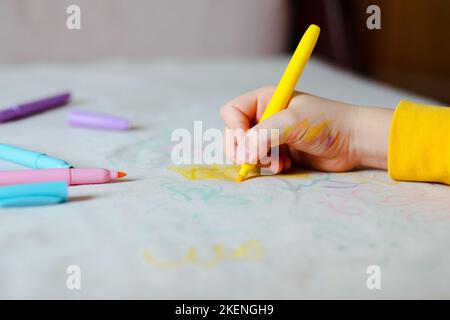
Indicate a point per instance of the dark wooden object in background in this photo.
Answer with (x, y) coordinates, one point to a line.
(411, 51)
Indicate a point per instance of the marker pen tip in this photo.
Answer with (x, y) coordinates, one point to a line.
(121, 174)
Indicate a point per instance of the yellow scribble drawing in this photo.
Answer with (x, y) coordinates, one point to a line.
(315, 131)
(229, 172)
(216, 171)
(250, 250)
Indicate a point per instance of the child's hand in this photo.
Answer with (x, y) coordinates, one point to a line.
(313, 132)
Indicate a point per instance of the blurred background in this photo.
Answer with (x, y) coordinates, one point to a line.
(410, 51)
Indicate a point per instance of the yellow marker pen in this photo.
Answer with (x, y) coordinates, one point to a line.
(286, 87)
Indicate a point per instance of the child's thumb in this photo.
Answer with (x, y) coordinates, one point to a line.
(267, 134)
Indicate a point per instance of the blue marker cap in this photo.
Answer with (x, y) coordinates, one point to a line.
(31, 159)
(34, 194)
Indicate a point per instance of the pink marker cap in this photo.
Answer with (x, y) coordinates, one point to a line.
(97, 120)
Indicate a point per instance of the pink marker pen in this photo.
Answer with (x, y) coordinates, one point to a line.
(70, 176)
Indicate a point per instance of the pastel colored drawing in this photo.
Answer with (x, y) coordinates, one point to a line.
(250, 250)
(203, 172)
(207, 194)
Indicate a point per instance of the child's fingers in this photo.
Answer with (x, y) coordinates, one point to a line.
(287, 163)
(230, 146)
(234, 118)
(272, 132)
(277, 165)
(242, 111)
(232, 138)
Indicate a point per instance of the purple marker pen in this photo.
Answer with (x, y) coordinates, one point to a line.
(97, 120)
(30, 108)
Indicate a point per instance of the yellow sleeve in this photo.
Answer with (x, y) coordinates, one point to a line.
(419, 143)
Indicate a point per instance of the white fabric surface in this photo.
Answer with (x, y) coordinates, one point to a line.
(315, 236)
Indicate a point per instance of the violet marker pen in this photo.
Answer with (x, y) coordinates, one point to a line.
(94, 120)
(27, 109)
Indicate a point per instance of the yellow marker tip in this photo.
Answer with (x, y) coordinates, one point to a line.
(240, 178)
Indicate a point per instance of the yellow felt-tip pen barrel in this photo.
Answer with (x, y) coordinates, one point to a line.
(286, 87)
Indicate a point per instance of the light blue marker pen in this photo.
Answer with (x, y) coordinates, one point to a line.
(33, 194)
(30, 158)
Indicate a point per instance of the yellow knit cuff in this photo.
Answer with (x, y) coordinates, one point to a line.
(419, 143)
